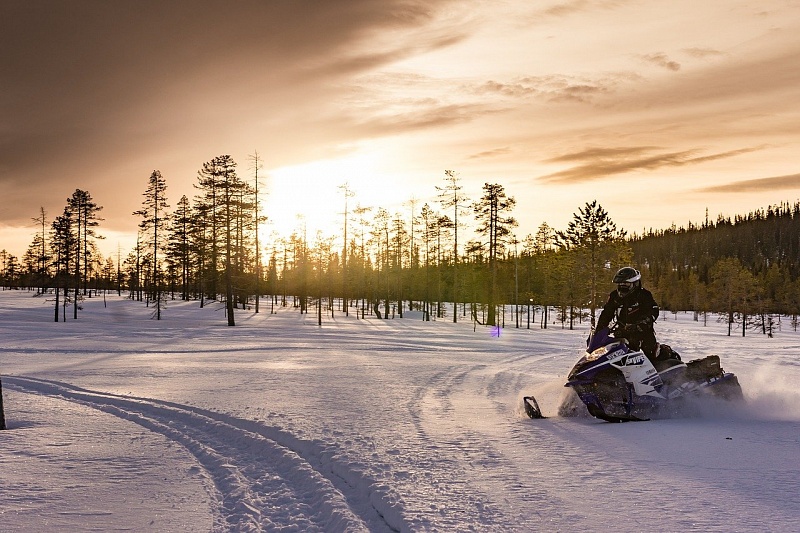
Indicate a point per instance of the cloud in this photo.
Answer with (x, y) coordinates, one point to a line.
(421, 117)
(556, 87)
(518, 89)
(761, 81)
(597, 154)
(776, 183)
(597, 163)
(366, 60)
(725, 155)
(97, 92)
(392, 103)
(702, 53)
(571, 7)
(661, 60)
(491, 153)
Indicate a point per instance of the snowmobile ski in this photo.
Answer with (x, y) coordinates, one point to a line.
(532, 407)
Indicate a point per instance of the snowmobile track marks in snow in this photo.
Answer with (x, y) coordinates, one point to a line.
(257, 471)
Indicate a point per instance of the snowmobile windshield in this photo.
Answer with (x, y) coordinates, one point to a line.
(600, 338)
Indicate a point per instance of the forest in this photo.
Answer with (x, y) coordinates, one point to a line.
(459, 260)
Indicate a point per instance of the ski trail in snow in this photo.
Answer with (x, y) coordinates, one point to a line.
(261, 475)
(451, 419)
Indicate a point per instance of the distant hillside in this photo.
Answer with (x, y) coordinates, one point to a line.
(760, 251)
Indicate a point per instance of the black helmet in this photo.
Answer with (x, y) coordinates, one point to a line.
(627, 279)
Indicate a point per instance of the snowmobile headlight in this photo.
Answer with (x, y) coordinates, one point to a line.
(597, 354)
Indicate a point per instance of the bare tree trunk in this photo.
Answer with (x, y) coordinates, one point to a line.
(57, 294)
(2, 412)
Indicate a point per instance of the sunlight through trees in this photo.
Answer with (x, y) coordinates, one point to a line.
(745, 270)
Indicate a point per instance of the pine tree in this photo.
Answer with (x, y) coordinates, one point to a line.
(63, 239)
(380, 235)
(208, 206)
(428, 220)
(398, 245)
(450, 197)
(543, 251)
(595, 238)
(40, 248)
(180, 243)
(153, 225)
(495, 227)
(223, 193)
(84, 212)
(257, 165)
(347, 193)
(729, 286)
(230, 186)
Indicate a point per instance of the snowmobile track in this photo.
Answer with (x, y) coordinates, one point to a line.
(257, 471)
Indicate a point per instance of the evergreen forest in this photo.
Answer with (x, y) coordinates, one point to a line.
(459, 259)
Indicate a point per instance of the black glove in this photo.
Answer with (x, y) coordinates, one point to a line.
(644, 325)
(625, 330)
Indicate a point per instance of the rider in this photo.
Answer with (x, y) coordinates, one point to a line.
(634, 310)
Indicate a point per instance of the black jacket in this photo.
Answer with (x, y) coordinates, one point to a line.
(634, 315)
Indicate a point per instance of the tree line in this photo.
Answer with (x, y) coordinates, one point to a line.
(745, 270)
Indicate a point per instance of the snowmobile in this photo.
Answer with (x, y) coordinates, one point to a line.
(618, 384)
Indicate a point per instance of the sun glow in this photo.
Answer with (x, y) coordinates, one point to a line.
(309, 199)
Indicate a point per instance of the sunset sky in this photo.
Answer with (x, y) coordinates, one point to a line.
(658, 110)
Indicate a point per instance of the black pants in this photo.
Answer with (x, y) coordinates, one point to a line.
(645, 342)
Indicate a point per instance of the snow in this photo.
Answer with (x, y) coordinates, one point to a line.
(120, 422)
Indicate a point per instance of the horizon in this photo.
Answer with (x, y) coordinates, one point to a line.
(108, 248)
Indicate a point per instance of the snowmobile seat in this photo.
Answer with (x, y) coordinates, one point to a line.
(706, 368)
(671, 370)
(666, 365)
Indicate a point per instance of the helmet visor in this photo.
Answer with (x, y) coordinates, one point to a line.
(625, 287)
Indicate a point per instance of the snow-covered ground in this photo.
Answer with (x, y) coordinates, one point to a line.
(119, 422)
